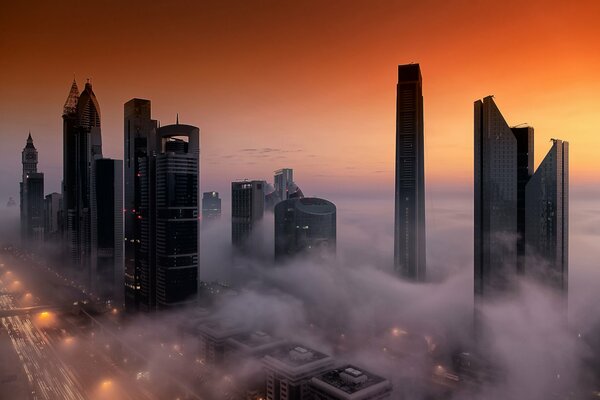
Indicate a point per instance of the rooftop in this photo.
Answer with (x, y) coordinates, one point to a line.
(350, 379)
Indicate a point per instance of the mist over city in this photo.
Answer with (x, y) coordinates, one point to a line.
(316, 201)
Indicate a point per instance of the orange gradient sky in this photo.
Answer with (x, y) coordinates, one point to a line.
(303, 84)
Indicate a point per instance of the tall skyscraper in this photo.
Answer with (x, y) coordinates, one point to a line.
(496, 183)
(82, 143)
(282, 179)
(139, 140)
(547, 219)
(168, 212)
(52, 216)
(304, 225)
(521, 216)
(107, 274)
(34, 194)
(350, 383)
(247, 208)
(211, 206)
(409, 223)
(29, 160)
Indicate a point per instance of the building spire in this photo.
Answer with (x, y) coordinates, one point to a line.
(71, 103)
(29, 139)
(177, 120)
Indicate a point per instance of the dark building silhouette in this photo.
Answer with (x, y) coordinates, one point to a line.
(247, 208)
(409, 224)
(304, 225)
(82, 144)
(168, 212)
(282, 180)
(52, 216)
(547, 219)
(350, 383)
(107, 231)
(31, 225)
(521, 217)
(211, 206)
(495, 199)
(139, 140)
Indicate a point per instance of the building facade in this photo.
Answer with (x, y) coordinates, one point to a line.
(34, 199)
(247, 208)
(29, 201)
(409, 223)
(282, 180)
(52, 216)
(305, 225)
(211, 206)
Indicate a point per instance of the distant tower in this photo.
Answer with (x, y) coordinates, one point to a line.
(496, 200)
(282, 180)
(52, 216)
(29, 160)
(247, 208)
(409, 224)
(211, 206)
(82, 144)
(547, 218)
(304, 225)
(139, 141)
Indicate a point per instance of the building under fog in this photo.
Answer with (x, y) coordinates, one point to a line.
(289, 369)
(52, 216)
(139, 140)
(519, 214)
(304, 225)
(107, 271)
(409, 223)
(547, 217)
(211, 206)
(349, 383)
(247, 208)
(32, 196)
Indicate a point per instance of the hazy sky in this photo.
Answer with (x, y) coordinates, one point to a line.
(308, 85)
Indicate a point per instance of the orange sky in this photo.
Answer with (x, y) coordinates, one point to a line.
(308, 84)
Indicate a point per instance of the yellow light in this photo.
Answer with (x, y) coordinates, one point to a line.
(106, 384)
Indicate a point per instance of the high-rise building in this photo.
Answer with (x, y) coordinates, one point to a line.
(350, 383)
(247, 208)
(289, 369)
(409, 223)
(34, 199)
(82, 144)
(519, 214)
(282, 179)
(29, 160)
(168, 211)
(304, 225)
(107, 271)
(52, 216)
(547, 218)
(211, 206)
(139, 140)
(496, 197)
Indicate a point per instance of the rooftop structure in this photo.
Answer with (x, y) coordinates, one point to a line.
(350, 383)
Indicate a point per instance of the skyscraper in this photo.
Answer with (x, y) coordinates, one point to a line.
(409, 223)
(107, 274)
(547, 218)
(52, 216)
(211, 206)
(247, 208)
(139, 139)
(82, 143)
(29, 160)
(282, 179)
(304, 225)
(496, 183)
(524, 136)
(34, 194)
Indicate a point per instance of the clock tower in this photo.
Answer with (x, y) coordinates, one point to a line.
(29, 158)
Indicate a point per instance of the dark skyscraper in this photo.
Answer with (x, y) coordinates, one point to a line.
(496, 177)
(409, 224)
(304, 225)
(34, 194)
(547, 218)
(521, 217)
(247, 208)
(139, 137)
(82, 143)
(211, 206)
(107, 230)
(52, 216)
(29, 160)
(168, 212)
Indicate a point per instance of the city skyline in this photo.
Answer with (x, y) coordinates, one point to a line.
(224, 112)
